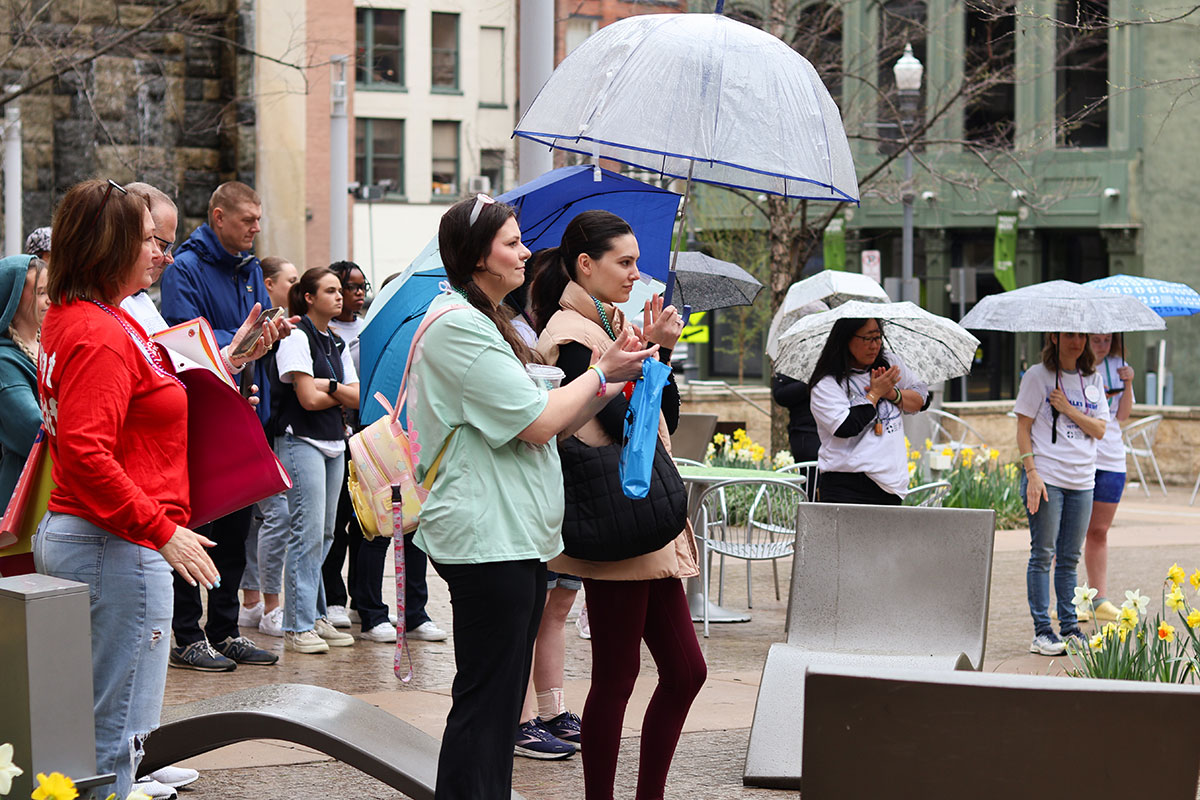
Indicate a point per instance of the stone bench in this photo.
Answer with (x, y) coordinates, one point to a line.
(872, 587)
(344, 727)
(871, 732)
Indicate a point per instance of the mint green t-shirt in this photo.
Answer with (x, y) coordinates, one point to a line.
(495, 497)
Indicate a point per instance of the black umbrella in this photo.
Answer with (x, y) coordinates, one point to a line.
(705, 283)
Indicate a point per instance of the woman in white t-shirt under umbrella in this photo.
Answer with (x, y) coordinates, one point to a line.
(1061, 415)
(1110, 465)
(859, 391)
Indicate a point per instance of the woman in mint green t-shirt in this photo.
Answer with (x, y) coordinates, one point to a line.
(494, 513)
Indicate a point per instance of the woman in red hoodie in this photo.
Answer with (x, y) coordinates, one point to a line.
(116, 424)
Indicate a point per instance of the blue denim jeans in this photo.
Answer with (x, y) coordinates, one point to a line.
(266, 545)
(312, 505)
(131, 600)
(1056, 532)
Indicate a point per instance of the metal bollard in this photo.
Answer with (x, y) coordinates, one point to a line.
(46, 679)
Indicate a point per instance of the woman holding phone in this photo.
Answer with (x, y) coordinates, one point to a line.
(316, 381)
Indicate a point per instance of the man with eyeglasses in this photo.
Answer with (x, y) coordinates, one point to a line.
(217, 276)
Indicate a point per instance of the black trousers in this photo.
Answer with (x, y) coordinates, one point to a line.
(497, 610)
(229, 557)
(367, 561)
(853, 487)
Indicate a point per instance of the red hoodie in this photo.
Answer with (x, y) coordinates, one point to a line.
(116, 427)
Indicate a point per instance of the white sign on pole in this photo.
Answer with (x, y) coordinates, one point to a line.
(871, 264)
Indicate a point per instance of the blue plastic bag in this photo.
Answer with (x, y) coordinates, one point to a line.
(641, 429)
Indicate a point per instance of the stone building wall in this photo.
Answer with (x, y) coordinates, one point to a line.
(172, 106)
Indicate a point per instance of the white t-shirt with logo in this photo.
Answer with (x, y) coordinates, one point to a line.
(1110, 451)
(883, 458)
(1068, 462)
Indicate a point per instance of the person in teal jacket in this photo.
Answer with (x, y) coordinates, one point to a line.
(23, 303)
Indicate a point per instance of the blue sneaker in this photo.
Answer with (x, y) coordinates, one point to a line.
(534, 741)
(566, 727)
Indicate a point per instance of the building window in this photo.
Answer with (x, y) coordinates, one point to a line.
(578, 29)
(380, 61)
(990, 69)
(491, 166)
(901, 22)
(445, 160)
(445, 52)
(1081, 77)
(379, 154)
(818, 37)
(491, 66)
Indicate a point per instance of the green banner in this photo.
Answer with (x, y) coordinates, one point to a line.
(835, 243)
(1006, 249)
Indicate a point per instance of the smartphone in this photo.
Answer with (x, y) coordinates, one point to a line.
(269, 315)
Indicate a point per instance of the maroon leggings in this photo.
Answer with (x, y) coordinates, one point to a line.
(621, 615)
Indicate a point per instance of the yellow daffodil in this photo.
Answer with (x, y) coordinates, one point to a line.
(1166, 632)
(1193, 619)
(1175, 600)
(56, 786)
(1136, 600)
(907, 444)
(1122, 632)
(946, 451)
(1128, 618)
(914, 455)
(1195, 580)
(968, 452)
(1096, 642)
(1109, 628)
(912, 467)
(1083, 597)
(719, 439)
(993, 454)
(1176, 575)
(928, 443)
(8, 770)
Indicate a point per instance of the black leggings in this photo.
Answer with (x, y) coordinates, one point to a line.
(853, 487)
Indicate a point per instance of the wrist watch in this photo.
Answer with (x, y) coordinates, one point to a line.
(332, 386)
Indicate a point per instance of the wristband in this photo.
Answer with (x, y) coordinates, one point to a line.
(332, 386)
(1024, 456)
(899, 397)
(603, 381)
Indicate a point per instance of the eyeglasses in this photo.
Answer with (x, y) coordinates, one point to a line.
(873, 339)
(107, 191)
(481, 200)
(363, 287)
(167, 247)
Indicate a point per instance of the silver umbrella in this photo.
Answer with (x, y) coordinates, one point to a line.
(830, 287)
(705, 283)
(1061, 306)
(933, 347)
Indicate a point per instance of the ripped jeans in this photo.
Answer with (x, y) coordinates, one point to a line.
(131, 602)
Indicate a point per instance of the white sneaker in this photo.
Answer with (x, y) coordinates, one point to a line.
(304, 642)
(383, 632)
(154, 789)
(250, 616)
(337, 616)
(272, 622)
(355, 619)
(428, 631)
(582, 625)
(174, 776)
(1047, 644)
(332, 636)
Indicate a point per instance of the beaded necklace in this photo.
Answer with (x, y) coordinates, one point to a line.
(148, 349)
(604, 320)
(461, 292)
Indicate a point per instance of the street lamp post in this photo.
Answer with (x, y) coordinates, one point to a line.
(908, 71)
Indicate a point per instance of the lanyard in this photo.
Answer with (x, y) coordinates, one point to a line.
(149, 351)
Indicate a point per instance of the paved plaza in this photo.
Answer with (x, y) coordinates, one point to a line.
(1149, 534)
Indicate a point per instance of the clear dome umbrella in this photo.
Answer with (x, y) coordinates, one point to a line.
(699, 97)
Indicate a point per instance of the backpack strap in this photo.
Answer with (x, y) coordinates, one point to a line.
(412, 349)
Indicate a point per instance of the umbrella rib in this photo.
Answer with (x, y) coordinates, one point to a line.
(944, 346)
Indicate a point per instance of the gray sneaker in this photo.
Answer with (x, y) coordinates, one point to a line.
(244, 651)
(1047, 644)
(202, 657)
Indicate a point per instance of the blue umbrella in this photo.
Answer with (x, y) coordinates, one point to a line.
(1164, 298)
(544, 207)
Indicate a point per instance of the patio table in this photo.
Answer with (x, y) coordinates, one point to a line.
(696, 479)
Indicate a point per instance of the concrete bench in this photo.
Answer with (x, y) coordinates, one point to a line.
(871, 733)
(346, 728)
(875, 587)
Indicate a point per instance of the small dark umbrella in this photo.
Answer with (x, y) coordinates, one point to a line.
(705, 283)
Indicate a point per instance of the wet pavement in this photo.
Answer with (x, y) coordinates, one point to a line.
(1147, 537)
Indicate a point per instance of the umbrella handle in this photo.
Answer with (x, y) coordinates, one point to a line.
(687, 315)
(670, 287)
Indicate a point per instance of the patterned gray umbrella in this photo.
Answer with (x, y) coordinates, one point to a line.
(933, 347)
(705, 283)
(1061, 306)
